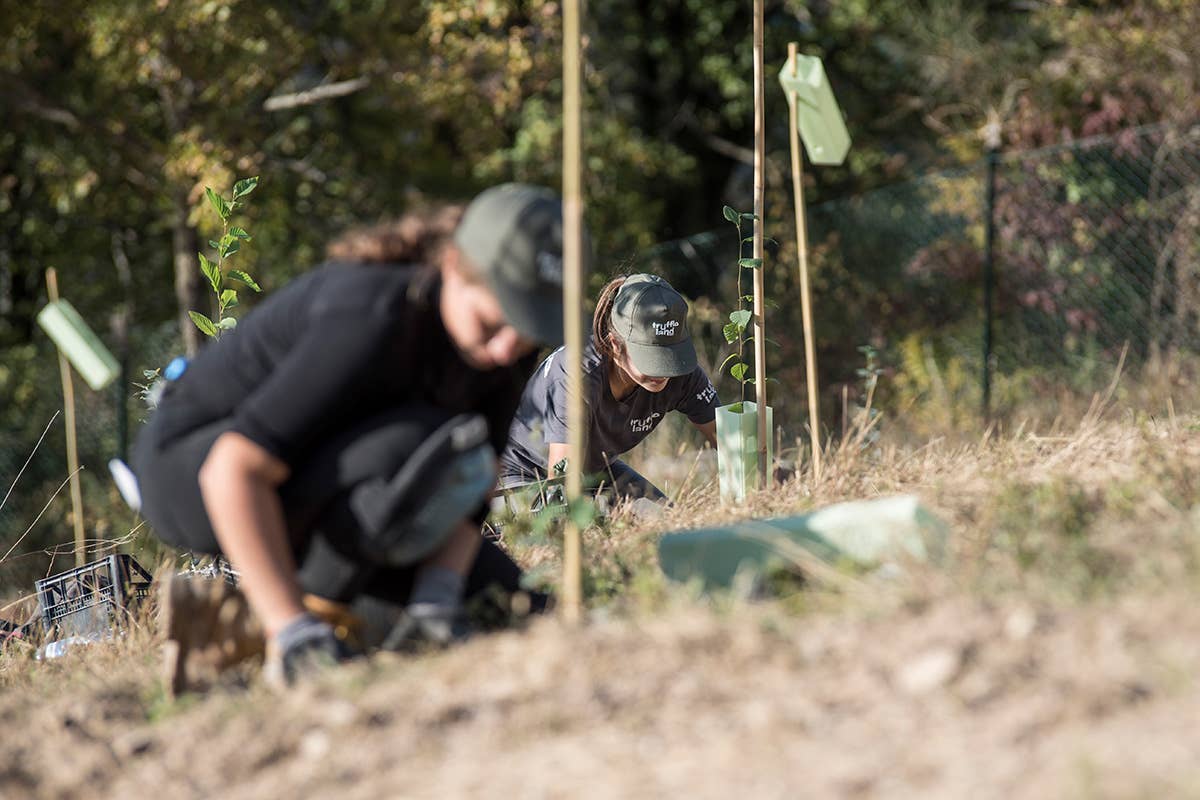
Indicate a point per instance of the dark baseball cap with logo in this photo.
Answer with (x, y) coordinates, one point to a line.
(512, 235)
(651, 318)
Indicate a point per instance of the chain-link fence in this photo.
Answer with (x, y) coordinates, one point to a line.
(1092, 256)
(1096, 247)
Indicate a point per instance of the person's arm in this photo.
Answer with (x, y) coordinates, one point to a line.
(699, 402)
(238, 483)
(556, 452)
(555, 422)
(709, 429)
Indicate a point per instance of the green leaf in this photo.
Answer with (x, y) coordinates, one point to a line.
(230, 247)
(238, 275)
(218, 203)
(738, 371)
(227, 323)
(731, 332)
(229, 298)
(728, 358)
(730, 214)
(239, 233)
(741, 318)
(214, 245)
(583, 512)
(202, 322)
(244, 187)
(211, 271)
(750, 263)
(749, 216)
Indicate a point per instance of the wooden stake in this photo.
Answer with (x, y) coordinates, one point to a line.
(573, 280)
(64, 369)
(760, 336)
(810, 356)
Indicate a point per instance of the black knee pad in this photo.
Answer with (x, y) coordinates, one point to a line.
(405, 518)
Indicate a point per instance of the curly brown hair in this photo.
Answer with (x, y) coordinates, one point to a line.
(417, 237)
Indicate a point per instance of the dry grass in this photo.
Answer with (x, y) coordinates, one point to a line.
(1052, 655)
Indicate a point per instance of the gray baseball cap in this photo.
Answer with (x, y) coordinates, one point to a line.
(512, 234)
(651, 318)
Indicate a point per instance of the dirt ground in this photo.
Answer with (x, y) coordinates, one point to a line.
(953, 700)
(923, 685)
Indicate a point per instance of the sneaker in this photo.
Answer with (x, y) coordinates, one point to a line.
(208, 627)
(426, 626)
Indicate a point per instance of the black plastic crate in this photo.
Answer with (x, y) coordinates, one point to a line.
(87, 600)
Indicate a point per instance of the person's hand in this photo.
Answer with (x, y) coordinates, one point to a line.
(302, 647)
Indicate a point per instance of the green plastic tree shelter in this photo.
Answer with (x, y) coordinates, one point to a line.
(863, 533)
(737, 448)
(75, 340)
(820, 119)
(813, 113)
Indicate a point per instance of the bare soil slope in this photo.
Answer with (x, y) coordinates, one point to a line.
(1055, 657)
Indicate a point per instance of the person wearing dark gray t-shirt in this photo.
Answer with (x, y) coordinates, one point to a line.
(639, 365)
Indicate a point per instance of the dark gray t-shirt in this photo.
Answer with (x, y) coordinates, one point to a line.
(614, 426)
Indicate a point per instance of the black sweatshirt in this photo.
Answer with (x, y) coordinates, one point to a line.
(332, 348)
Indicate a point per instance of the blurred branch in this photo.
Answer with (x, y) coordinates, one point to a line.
(28, 100)
(717, 144)
(320, 94)
(307, 170)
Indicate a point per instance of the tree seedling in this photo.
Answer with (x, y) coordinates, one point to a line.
(216, 272)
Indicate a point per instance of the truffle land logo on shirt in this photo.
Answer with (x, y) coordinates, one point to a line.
(643, 425)
(707, 395)
(665, 328)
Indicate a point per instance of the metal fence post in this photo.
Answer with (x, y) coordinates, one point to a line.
(988, 280)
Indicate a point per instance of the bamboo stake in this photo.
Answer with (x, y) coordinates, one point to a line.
(64, 369)
(810, 357)
(573, 279)
(760, 336)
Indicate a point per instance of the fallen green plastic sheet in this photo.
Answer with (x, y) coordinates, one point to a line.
(864, 532)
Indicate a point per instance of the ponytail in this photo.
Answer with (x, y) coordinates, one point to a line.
(603, 336)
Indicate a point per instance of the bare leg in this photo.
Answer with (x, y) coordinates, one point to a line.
(459, 551)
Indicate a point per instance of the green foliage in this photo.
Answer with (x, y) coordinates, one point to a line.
(217, 271)
(734, 331)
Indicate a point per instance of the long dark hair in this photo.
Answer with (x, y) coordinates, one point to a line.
(417, 237)
(606, 339)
